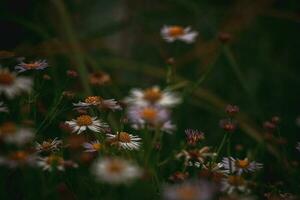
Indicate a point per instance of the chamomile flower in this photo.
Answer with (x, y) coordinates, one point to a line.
(12, 85)
(125, 140)
(84, 122)
(18, 158)
(3, 108)
(92, 146)
(152, 96)
(172, 33)
(195, 157)
(98, 102)
(189, 190)
(151, 116)
(12, 134)
(115, 170)
(55, 162)
(233, 183)
(48, 145)
(232, 165)
(35, 65)
(298, 146)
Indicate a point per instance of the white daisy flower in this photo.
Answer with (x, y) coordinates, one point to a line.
(115, 170)
(84, 122)
(92, 146)
(12, 85)
(13, 135)
(172, 33)
(195, 157)
(55, 162)
(190, 190)
(3, 108)
(152, 96)
(232, 183)
(232, 165)
(151, 116)
(50, 145)
(98, 102)
(35, 65)
(18, 158)
(125, 140)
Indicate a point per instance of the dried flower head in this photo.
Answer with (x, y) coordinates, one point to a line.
(99, 78)
(172, 33)
(193, 136)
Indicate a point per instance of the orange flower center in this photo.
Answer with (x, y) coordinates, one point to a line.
(19, 155)
(115, 167)
(54, 160)
(84, 120)
(8, 128)
(31, 65)
(152, 95)
(93, 99)
(176, 31)
(187, 193)
(242, 163)
(96, 146)
(235, 180)
(124, 137)
(46, 145)
(6, 78)
(149, 114)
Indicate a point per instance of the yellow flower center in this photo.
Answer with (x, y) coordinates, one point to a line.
(84, 120)
(242, 163)
(96, 146)
(54, 160)
(187, 193)
(18, 155)
(6, 78)
(175, 31)
(8, 128)
(152, 95)
(33, 65)
(149, 114)
(93, 99)
(115, 167)
(236, 180)
(124, 137)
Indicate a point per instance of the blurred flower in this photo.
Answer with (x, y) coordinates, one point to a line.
(233, 183)
(193, 136)
(12, 85)
(179, 176)
(84, 122)
(72, 73)
(18, 158)
(224, 37)
(232, 109)
(14, 135)
(92, 146)
(275, 120)
(36, 65)
(99, 78)
(232, 165)
(49, 145)
(212, 171)
(99, 102)
(172, 33)
(298, 121)
(46, 77)
(68, 94)
(298, 146)
(125, 140)
(269, 126)
(195, 157)
(228, 125)
(152, 116)
(280, 196)
(3, 108)
(55, 162)
(115, 170)
(75, 141)
(189, 190)
(152, 96)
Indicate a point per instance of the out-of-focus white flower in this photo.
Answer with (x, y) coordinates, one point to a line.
(115, 170)
(151, 116)
(12, 85)
(55, 162)
(18, 159)
(190, 190)
(234, 183)
(172, 33)
(232, 165)
(92, 146)
(298, 146)
(84, 122)
(3, 108)
(152, 96)
(13, 135)
(99, 102)
(50, 145)
(35, 65)
(125, 140)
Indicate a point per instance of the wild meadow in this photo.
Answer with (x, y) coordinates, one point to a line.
(171, 100)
